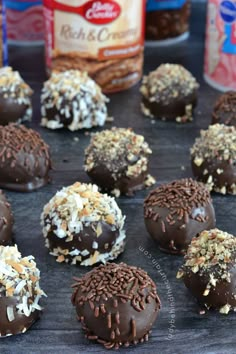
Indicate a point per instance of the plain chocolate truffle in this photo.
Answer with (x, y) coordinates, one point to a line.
(117, 160)
(24, 159)
(6, 221)
(19, 292)
(214, 158)
(117, 304)
(176, 212)
(15, 97)
(83, 226)
(170, 93)
(209, 271)
(225, 109)
(71, 99)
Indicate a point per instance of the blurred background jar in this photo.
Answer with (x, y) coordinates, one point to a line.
(167, 21)
(3, 35)
(25, 24)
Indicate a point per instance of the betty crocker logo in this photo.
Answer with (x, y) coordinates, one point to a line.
(98, 12)
(101, 12)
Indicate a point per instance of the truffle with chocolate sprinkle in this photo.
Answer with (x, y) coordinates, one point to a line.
(176, 212)
(71, 99)
(224, 111)
(24, 159)
(117, 304)
(15, 97)
(82, 225)
(209, 271)
(117, 161)
(6, 221)
(169, 93)
(214, 158)
(19, 291)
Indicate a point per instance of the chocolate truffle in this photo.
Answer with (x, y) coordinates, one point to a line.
(214, 158)
(71, 99)
(176, 212)
(225, 109)
(6, 221)
(209, 271)
(15, 97)
(117, 304)
(19, 292)
(83, 226)
(117, 161)
(169, 93)
(24, 159)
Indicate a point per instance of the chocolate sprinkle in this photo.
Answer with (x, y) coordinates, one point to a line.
(126, 286)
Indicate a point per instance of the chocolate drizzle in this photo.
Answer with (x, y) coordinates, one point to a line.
(117, 304)
(176, 212)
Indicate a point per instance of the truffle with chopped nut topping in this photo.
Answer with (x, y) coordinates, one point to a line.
(117, 304)
(225, 109)
(19, 292)
(117, 161)
(214, 158)
(15, 97)
(24, 159)
(169, 93)
(176, 212)
(83, 226)
(6, 221)
(209, 271)
(71, 99)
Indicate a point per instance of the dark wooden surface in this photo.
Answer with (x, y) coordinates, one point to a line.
(58, 331)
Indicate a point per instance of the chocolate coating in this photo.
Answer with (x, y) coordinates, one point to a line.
(24, 159)
(71, 99)
(176, 212)
(20, 292)
(170, 93)
(90, 232)
(209, 271)
(214, 158)
(117, 161)
(225, 109)
(6, 221)
(117, 304)
(21, 322)
(15, 97)
(165, 24)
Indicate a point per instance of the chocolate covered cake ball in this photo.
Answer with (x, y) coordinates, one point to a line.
(169, 93)
(117, 304)
(15, 97)
(209, 271)
(24, 159)
(71, 99)
(6, 221)
(19, 292)
(225, 109)
(83, 226)
(176, 212)
(117, 161)
(214, 158)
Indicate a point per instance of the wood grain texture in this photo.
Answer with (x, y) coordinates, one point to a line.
(58, 331)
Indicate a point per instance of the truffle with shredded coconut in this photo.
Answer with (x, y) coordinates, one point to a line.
(19, 291)
(15, 97)
(214, 158)
(118, 161)
(209, 271)
(169, 93)
(83, 226)
(71, 99)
